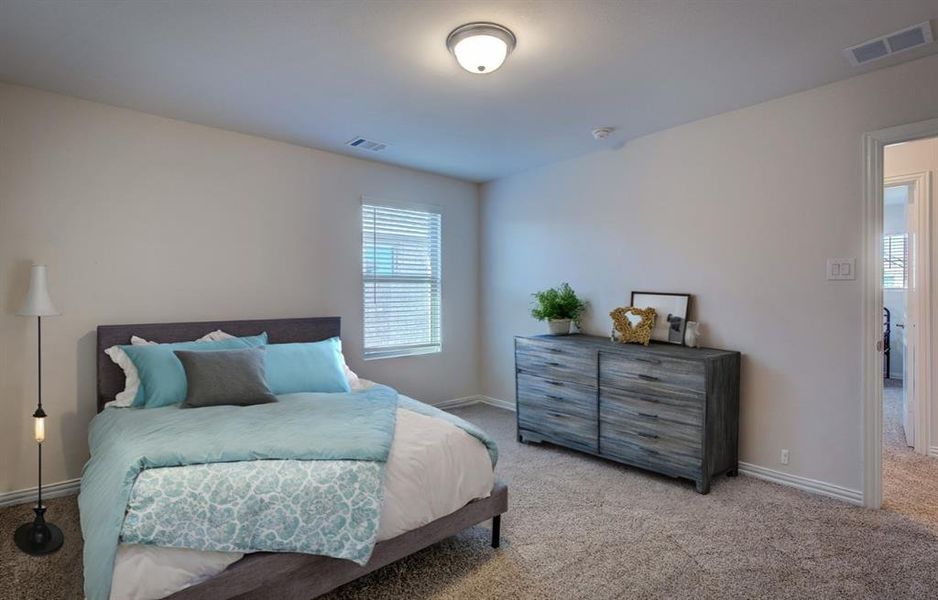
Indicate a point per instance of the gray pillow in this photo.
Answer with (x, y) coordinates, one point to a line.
(234, 377)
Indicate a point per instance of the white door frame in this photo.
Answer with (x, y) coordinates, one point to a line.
(871, 277)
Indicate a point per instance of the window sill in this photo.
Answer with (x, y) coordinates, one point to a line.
(390, 353)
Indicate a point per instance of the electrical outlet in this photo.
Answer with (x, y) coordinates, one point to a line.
(784, 457)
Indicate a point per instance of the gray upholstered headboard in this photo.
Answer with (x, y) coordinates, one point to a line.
(279, 331)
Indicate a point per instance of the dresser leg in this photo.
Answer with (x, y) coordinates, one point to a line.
(732, 473)
(702, 486)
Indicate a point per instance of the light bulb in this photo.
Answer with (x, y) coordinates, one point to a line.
(481, 53)
(39, 431)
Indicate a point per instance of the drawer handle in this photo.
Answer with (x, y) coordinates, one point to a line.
(651, 361)
(552, 382)
(647, 377)
(647, 415)
(554, 364)
(555, 350)
(652, 436)
(553, 397)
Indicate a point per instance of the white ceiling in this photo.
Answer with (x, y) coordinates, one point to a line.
(320, 73)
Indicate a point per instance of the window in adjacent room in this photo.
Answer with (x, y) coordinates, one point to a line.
(895, 261)
(401, 280)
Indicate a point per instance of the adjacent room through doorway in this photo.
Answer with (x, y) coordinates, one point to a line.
(910, 465)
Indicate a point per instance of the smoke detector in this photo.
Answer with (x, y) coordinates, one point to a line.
(601, 133)
(890, 44)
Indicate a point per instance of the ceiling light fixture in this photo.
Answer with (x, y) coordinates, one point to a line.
(481, 47)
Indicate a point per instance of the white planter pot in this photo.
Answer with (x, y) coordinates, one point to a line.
(559, 326)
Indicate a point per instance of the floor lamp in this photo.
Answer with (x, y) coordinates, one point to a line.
(38, 537)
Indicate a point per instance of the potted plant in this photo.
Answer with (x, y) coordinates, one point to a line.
(558, 306)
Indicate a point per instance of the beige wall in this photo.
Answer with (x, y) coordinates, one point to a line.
(145, 219)
(742, 210)
(910, 159)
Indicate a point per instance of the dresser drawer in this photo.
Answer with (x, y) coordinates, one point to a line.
(674, 408)
(568, 398)
(652, 455)
(560, 428)
(652, 373)
(556, 361)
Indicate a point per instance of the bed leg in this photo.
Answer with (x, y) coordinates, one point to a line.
(496, 531)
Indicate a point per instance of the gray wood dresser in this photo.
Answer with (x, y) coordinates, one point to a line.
(665, 408)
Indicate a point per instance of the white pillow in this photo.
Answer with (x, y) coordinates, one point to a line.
(215, 336)
(349, 374)
(131, 377)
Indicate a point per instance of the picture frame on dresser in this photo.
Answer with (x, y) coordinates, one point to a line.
(665, 408)
(672, 310)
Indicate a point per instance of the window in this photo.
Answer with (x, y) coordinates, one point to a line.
(896, 261)
(401, 281)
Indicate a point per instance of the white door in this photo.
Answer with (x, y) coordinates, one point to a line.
(910, 338)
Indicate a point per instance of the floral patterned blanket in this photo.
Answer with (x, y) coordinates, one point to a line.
(328, 507)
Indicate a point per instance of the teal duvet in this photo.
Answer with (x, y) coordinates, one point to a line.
(345, 437)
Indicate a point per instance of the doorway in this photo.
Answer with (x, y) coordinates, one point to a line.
(898, 305)
(910, 478)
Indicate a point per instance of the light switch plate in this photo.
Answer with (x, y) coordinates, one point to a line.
(841, 269)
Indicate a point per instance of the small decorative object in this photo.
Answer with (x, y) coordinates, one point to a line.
(560, 307)
(672, 314)
(38, 537)
(630, 324)
(692, 334)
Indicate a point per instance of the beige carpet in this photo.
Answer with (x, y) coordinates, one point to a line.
(910, 480)
(579, 527)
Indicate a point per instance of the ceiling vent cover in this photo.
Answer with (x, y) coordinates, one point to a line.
(890, 44)
(365, 144)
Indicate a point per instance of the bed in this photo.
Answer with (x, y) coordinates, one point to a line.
(291, 575)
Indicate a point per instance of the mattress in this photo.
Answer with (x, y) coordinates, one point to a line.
(434, 469)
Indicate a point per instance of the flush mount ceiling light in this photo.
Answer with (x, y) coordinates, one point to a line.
(481, 47)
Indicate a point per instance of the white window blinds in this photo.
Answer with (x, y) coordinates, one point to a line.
(401, 281)
(896, 261)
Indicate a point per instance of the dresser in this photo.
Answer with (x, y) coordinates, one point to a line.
(661, 407)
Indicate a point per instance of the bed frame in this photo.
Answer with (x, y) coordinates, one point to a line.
(289, 576)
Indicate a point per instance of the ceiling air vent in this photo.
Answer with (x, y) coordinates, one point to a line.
(366, 144)
(891, 44)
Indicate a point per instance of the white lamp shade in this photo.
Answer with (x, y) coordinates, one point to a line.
(38, 303)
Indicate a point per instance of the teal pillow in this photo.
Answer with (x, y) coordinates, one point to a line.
(311, 367)
(162, 377)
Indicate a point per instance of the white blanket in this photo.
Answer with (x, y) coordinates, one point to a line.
(433, 470)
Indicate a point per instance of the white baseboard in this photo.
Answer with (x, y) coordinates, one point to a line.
(933, 451)
(480, 399)
(457, 402)
(498, 403)
(803, 483)
(53, 490)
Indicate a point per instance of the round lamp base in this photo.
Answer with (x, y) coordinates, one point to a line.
(38, 539)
